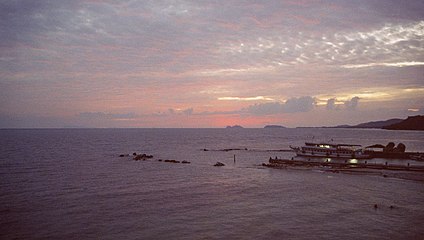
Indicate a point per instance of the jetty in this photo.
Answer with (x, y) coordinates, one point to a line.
(394, 155)
(284, 163)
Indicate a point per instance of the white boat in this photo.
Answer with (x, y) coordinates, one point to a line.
(330, 150)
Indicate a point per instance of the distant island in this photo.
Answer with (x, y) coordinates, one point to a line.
(374, 124)
(411, 123)
(234, 126)
(274, 126)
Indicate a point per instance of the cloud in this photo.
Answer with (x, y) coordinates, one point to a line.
(235, 71)
(331, 104)
(301, 104)
(178, 111)
(146, 56)
(391, 45)
(22, 21)
(391, 34)
(102, 115)
(245, 98)
(266, 108)
(33, 121)
(334, 104)
(188, 111)
(292, 105)
(397, 64)
(352, 104)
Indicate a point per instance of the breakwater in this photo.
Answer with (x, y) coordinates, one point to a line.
(282, 163)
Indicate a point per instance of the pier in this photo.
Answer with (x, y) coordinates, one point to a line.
(283, 163)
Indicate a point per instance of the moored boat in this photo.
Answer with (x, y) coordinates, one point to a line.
(330, 150)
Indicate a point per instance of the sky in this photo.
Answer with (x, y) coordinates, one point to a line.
(209, 63)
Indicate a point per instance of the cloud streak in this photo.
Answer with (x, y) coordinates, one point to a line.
(112, 116)
(398, 64)
(245, 98)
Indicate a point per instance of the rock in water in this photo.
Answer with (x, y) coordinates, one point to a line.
(219, 164)
(172, 161)
(142, 157)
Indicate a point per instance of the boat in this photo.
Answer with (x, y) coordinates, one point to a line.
(417, 157)
(330, 150)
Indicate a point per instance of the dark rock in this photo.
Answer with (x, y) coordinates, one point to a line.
(142, 157)
(134, 154)
(186, 162)
(124, 155)
(172, 161)
(232, 149)
(219, 164)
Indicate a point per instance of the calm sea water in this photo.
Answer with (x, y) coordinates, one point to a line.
(72, 184)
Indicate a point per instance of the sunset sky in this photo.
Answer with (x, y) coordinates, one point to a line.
(209, 63)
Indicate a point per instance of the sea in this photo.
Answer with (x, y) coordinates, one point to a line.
(73, 184)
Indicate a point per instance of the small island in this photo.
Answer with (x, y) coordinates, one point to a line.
(274, 126)
(234, 126)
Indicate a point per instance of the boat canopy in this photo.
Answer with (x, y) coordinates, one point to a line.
(332, 144)
(376, 146)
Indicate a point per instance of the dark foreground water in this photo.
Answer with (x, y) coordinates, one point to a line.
(71, 184)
